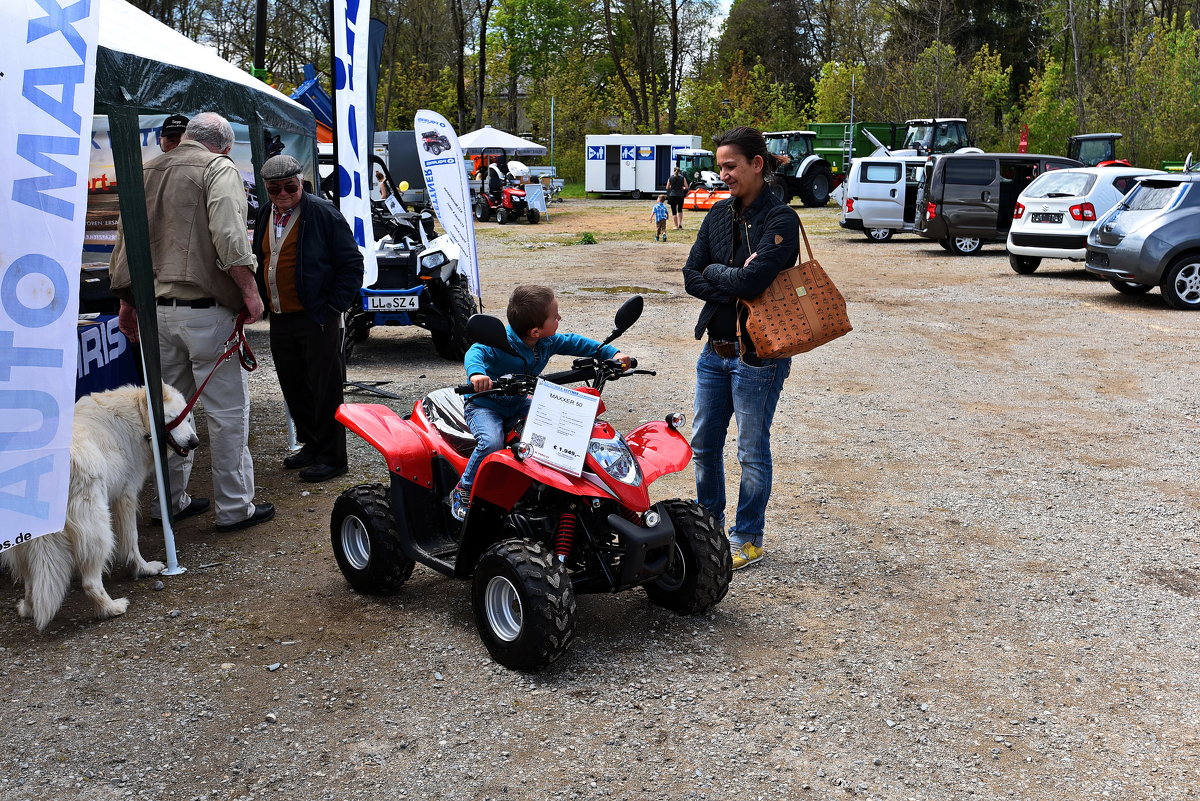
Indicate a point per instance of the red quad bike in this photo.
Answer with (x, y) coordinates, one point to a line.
(534, 536)
(503, 195)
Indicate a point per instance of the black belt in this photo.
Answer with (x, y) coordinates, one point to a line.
(198, 303)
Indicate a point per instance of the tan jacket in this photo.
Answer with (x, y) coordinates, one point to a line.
(196, 207)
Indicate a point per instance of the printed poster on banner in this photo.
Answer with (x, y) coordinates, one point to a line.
(445, 174)
(47, 93)
(559, 426)
(352, 19)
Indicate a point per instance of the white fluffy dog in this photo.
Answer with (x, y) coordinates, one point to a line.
(111, 458)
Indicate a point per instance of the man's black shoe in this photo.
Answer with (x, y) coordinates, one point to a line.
(197, 506)
(322, 472)
(301, 458)
(262, 513)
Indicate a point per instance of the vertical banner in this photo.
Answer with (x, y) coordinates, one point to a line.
(351, 29)
(48, 64)
(445, 174)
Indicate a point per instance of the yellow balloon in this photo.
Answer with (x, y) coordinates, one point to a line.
(404, 186)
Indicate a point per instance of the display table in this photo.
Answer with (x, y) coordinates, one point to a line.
(106, 358)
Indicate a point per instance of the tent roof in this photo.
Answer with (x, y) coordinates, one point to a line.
(487, 136)
(147, 65)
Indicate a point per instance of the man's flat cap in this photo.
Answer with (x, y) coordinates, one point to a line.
(279, 167)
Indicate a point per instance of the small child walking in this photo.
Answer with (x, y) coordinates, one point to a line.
(660, 215)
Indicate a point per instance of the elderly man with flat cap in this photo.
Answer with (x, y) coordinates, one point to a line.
(311, 271)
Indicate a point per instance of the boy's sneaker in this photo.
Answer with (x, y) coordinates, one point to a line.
(748, 554)
(460, 502)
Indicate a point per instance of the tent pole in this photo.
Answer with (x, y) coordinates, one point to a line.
(337, 190)
(127, 161)
(160, 478)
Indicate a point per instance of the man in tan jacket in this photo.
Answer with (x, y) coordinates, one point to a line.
(203, 277)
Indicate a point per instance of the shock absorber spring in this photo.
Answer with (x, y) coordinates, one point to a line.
(630, 515)
(564, 537)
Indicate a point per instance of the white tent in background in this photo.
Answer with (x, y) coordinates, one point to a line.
(489, 137)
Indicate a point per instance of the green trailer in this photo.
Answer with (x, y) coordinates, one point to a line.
(838, 142)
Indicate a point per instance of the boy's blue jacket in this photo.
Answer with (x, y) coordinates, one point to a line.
(529, 361)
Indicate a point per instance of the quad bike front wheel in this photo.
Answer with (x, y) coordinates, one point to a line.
(524, 604)
(701, 567)
(452, 345)
(365, 542)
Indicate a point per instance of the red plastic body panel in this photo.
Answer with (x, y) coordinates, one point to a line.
(405, 449)
(660, 449)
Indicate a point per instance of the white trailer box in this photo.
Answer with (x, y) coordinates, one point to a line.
(633, 164)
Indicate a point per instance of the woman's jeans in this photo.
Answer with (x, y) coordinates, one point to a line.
(728, 388)
(488, 426)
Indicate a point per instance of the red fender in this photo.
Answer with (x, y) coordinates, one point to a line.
(405, 450)
(659, 449)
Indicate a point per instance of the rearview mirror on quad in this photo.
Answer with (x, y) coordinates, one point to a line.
(626, 316)
(487, 330)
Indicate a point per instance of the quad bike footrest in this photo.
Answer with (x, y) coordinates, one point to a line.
(647, 550)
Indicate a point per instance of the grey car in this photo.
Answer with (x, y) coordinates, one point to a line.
(1152, 238)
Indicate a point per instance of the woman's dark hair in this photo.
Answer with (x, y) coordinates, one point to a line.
(529, 307)
(750, 143)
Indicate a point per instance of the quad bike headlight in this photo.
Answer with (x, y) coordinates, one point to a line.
(431, 262)
(676, 420)
(614, 458)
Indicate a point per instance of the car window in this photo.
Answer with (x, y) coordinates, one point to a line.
(1061, 184)
(973, 172)
(1151, 197)
(1123, 183)
(881, 173)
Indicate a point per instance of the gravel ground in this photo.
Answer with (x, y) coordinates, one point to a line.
(981, 577)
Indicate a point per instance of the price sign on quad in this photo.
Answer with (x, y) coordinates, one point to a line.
(389, 303)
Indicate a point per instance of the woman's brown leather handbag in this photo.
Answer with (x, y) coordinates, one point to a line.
(800, 310)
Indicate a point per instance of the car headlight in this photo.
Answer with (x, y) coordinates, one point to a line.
(614, 458)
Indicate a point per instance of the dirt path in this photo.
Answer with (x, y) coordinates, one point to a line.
(981, 578)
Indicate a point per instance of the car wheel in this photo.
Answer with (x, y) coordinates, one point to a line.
(878, 234)
(945, 243)
(814, 189)
(365, 542)
(533, 215)
(452, 345)
(1181, 283)
(701, 567)
(1024, 265)
(483, 212)
(1130, 288)
(964, 245)
(524, 604)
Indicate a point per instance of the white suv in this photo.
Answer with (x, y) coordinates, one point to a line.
(1054, 214)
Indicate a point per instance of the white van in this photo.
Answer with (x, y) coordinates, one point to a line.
(880, 196)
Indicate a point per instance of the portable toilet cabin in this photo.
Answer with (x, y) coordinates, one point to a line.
(632, 164)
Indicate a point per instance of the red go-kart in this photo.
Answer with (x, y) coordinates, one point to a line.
(534, 536)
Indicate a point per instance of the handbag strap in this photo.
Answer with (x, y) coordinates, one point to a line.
(807, 246)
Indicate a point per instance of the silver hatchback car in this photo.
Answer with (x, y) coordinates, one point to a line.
(1152, 238)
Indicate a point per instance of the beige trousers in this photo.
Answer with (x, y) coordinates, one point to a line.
(190, 342)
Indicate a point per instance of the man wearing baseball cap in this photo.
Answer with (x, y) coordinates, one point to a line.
(172, 130)
(311, 271)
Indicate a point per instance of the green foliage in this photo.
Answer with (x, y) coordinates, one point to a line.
(586, 239)
(1048, 110)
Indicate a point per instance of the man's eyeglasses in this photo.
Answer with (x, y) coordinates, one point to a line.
(290, 189)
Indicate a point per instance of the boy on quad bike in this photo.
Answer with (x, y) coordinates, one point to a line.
(533, 320)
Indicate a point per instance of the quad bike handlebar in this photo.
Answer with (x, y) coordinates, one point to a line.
(597, 371)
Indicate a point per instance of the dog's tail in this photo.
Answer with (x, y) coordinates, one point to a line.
(44, 566)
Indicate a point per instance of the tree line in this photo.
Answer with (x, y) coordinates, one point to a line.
(1055, 68)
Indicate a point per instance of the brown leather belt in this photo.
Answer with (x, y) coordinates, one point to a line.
(725, 348)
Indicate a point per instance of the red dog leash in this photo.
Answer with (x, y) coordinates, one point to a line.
(237, 343)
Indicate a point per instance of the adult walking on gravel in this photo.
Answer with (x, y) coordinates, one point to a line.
(676, 191)
(743, 243)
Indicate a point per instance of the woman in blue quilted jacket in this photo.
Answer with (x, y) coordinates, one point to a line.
(743, 243)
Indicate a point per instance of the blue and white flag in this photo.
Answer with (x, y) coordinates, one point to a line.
(351, 26)
(48, 63)
(445, 174)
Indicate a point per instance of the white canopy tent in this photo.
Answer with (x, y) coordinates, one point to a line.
(488, 137)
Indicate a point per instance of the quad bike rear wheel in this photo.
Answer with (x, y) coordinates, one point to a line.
(701, 568)
(365, 542)
(452, 345)
(524, 604)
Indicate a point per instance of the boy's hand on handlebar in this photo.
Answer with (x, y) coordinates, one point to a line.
(481, 382)
(625, 360)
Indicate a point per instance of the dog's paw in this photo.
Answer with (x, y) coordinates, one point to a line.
(149, 569)
(118, 607)
(24, 608)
